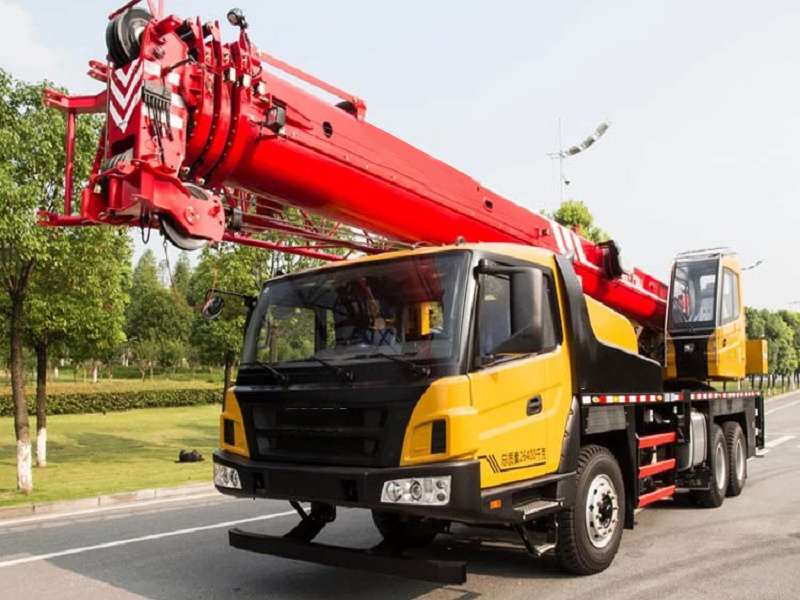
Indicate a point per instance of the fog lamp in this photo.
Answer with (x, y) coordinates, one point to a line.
(226, 477)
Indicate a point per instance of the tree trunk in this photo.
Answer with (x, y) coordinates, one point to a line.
(228, 372)
(94, 370)
(21, 426)
(41, 404)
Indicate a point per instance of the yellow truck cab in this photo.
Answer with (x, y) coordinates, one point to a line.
(473, 384)
(706, 329)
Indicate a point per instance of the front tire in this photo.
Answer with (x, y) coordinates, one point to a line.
(590, 532)
(737, 457)
(715, 495)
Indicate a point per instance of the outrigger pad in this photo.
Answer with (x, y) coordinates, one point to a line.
(377, 560)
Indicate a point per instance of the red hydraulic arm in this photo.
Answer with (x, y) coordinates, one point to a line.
(207, 141)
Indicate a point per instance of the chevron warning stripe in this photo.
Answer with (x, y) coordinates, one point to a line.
(125, 86)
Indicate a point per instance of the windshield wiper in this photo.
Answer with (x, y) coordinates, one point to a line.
(281, 377)
(344, 375)
(414, 370)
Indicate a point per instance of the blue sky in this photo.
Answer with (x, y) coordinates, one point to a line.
(704, 99)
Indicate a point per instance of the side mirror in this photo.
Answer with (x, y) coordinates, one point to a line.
(213, 308)
(527, 313)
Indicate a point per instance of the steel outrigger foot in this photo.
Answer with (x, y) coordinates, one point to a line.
(377, 560)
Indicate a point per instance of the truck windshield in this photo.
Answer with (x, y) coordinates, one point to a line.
(408, 307)
(694, 294)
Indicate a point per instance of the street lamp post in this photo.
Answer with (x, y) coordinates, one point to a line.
(573, 150)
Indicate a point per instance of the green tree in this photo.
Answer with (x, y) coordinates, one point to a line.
(32, 166)
(755, 323)
(76, 300)
(181, 275)
(574, 214)
(780, 338)
(156, 315)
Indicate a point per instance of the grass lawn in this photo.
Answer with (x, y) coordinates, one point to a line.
(89, 455)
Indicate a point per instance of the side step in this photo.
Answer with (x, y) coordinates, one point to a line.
(537, 508)
(378, 559)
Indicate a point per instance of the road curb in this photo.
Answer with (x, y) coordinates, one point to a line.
(120, 498)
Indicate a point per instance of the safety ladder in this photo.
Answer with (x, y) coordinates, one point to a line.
(664, 467)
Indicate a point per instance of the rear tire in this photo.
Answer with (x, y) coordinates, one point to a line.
(737, 457)
(718, 461)
(590, 532)
(406, 531)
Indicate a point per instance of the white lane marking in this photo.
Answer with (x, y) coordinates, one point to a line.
(144, 538)
(776, 409)
(779, 441)
(91, 511)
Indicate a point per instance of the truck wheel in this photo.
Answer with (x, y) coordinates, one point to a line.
(406, 531)
(737, 457)
(589, 533)
(713, 497)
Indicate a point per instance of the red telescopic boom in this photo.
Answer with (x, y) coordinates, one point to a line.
(206, 140)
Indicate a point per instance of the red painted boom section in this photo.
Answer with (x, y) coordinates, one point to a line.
(192, 110)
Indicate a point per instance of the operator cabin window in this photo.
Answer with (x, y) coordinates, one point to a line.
(730, 296)
(494, 316)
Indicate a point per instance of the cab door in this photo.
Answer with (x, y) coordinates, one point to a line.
(517, 394)
(731, 334)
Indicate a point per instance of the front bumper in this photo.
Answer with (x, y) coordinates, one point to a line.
(359, 486)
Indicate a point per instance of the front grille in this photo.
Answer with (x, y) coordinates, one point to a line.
(345, 432)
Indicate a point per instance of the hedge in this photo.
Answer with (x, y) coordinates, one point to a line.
(95, 402)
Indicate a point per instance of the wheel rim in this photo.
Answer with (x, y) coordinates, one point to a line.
(602, 511)
(719, 467)
(740, 460)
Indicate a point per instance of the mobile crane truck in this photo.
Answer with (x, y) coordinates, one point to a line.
(497, 370)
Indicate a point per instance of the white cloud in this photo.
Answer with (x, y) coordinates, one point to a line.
(20, 52)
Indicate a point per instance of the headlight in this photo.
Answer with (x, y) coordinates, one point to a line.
(226, 477)
(433, 491)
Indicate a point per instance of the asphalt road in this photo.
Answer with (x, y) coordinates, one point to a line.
(747, 549)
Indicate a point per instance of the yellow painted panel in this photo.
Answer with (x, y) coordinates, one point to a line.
(447, 399)
(233, 412)
(610, 327)
(727, 351)
(757, 359)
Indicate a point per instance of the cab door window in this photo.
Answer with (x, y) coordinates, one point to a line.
(494, 314)
(494, 323)
(730, 296)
